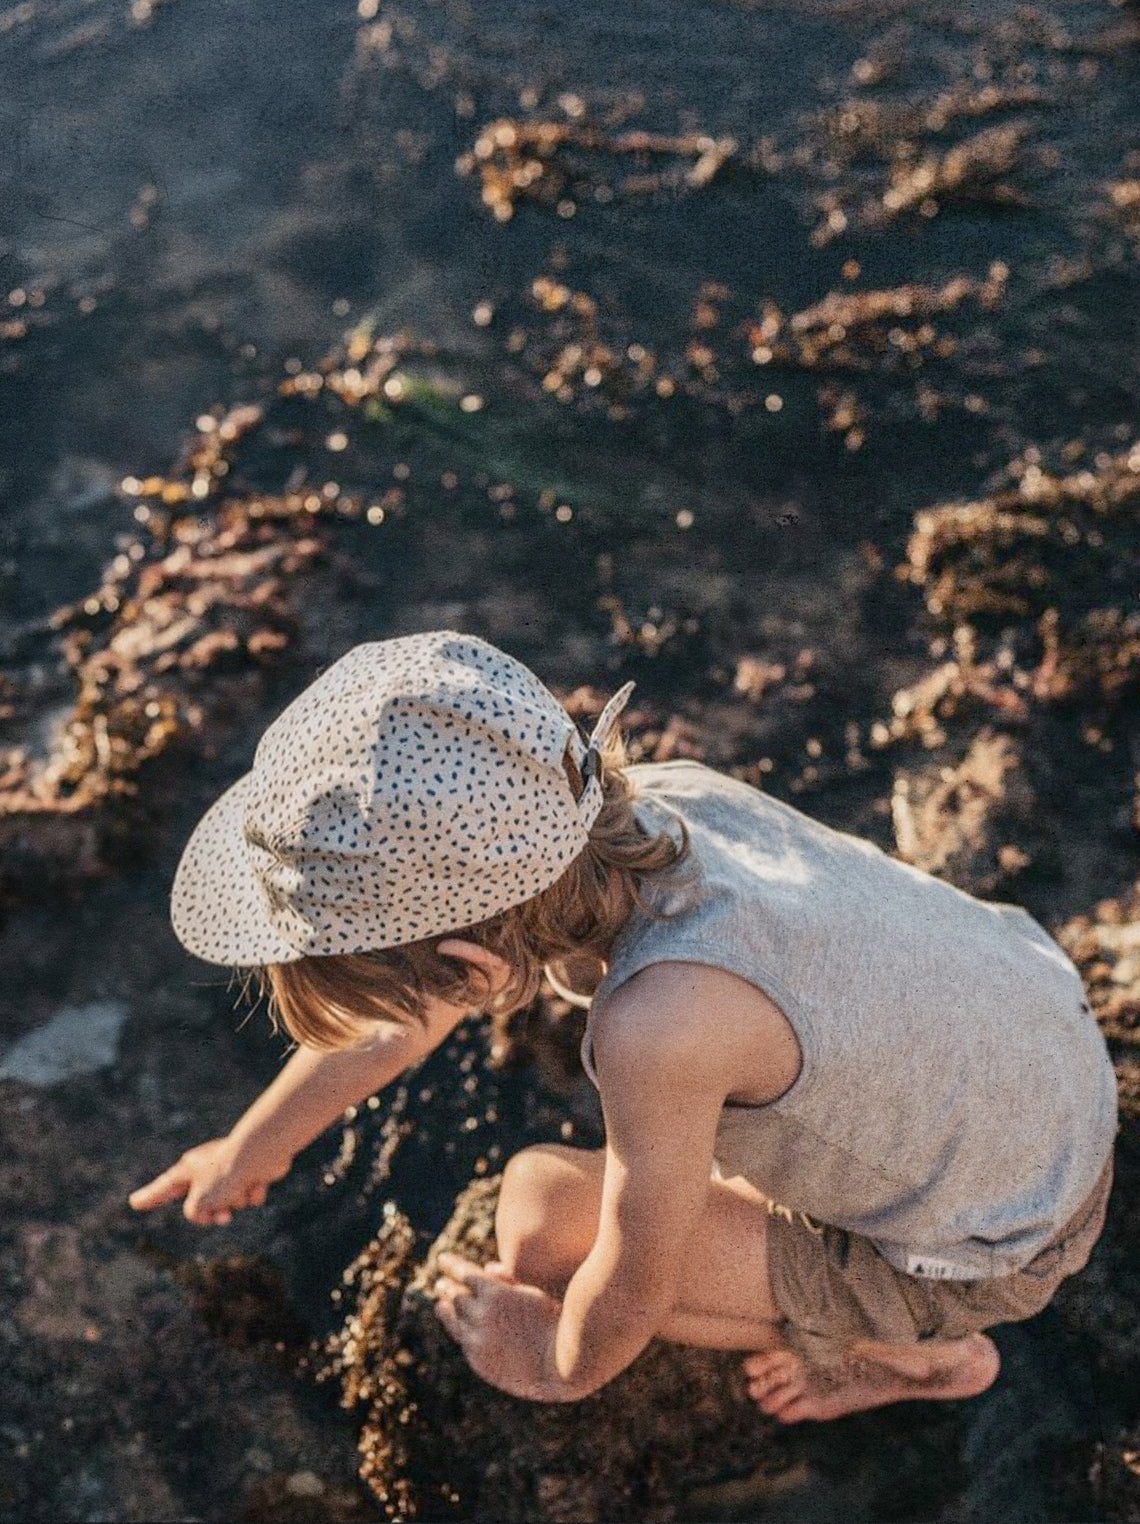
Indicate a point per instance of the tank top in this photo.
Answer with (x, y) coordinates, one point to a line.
(956, 1099)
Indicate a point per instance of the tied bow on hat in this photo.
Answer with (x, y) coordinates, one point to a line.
(591, 798)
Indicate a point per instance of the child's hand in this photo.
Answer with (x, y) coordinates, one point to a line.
(505, 1328)
(216, 1178)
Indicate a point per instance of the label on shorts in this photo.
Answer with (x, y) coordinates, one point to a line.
(938, 1269)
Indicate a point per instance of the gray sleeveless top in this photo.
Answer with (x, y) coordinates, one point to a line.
(956, 1100)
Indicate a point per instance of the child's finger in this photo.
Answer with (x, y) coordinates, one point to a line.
(499, 1272)
(198, 1208)
(450, 1291)
(446, 1315)
(168, 1186)
(459, 1269)
(207, 1217)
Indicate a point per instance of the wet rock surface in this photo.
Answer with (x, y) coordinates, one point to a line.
(806, 400)
(672, 1422)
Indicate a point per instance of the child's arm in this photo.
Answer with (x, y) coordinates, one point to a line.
(662, 1102)
(311, 1092)
(664, 1079)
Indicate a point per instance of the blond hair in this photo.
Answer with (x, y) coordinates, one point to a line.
(330, 1001)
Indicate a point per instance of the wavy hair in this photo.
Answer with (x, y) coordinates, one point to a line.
(330, 1001)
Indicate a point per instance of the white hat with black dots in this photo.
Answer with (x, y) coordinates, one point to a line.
(415, 788)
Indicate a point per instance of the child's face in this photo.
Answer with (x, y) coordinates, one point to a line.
(442, 1015)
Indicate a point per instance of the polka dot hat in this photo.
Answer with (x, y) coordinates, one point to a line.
(415, 788)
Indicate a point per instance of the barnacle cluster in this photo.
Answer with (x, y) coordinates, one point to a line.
(958, 821)
(734, 352)
(176, 631)
(985, 167)
(1051, 559)
(431, 1450)
(1104, 943)
(1038, 652)
(556, 163)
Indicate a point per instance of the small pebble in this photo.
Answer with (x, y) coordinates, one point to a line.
(304, 1484)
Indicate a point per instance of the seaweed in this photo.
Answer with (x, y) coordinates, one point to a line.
(436, 1443)
(555, 163)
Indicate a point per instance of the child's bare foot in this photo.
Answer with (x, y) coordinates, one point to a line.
(871, 1375)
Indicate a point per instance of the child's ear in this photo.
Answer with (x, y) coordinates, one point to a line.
(495, 968)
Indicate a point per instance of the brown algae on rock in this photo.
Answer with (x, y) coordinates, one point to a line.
(437, 1443)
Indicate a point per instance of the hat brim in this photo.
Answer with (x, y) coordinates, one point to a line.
(216, 906)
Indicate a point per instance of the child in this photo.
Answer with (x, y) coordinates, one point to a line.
(853, 1116)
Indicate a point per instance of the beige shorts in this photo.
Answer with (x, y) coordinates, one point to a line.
(834, 1287)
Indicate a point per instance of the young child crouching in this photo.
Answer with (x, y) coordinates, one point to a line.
(854, 1117)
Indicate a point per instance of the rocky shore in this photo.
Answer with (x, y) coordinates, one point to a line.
(808, 404)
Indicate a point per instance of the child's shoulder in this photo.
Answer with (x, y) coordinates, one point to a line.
(697, 793)
(673, 1012)
(695, 789)
(686, 775)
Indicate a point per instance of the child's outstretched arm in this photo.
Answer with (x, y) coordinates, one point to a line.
(313, 1089)
(663, 1084)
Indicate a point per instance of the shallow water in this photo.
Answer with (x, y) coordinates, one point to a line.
(691, 451)
(222, 193)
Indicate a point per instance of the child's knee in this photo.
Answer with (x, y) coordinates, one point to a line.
(541, 1218)
(546, 1173)
(529, 1170)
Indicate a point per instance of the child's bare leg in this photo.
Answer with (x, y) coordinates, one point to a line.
(871, 1375)
(546, 1224)
(547, 1220)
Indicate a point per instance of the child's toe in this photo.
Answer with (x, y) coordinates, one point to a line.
(769, 1380)
(775, 1398)
(769, 1363)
